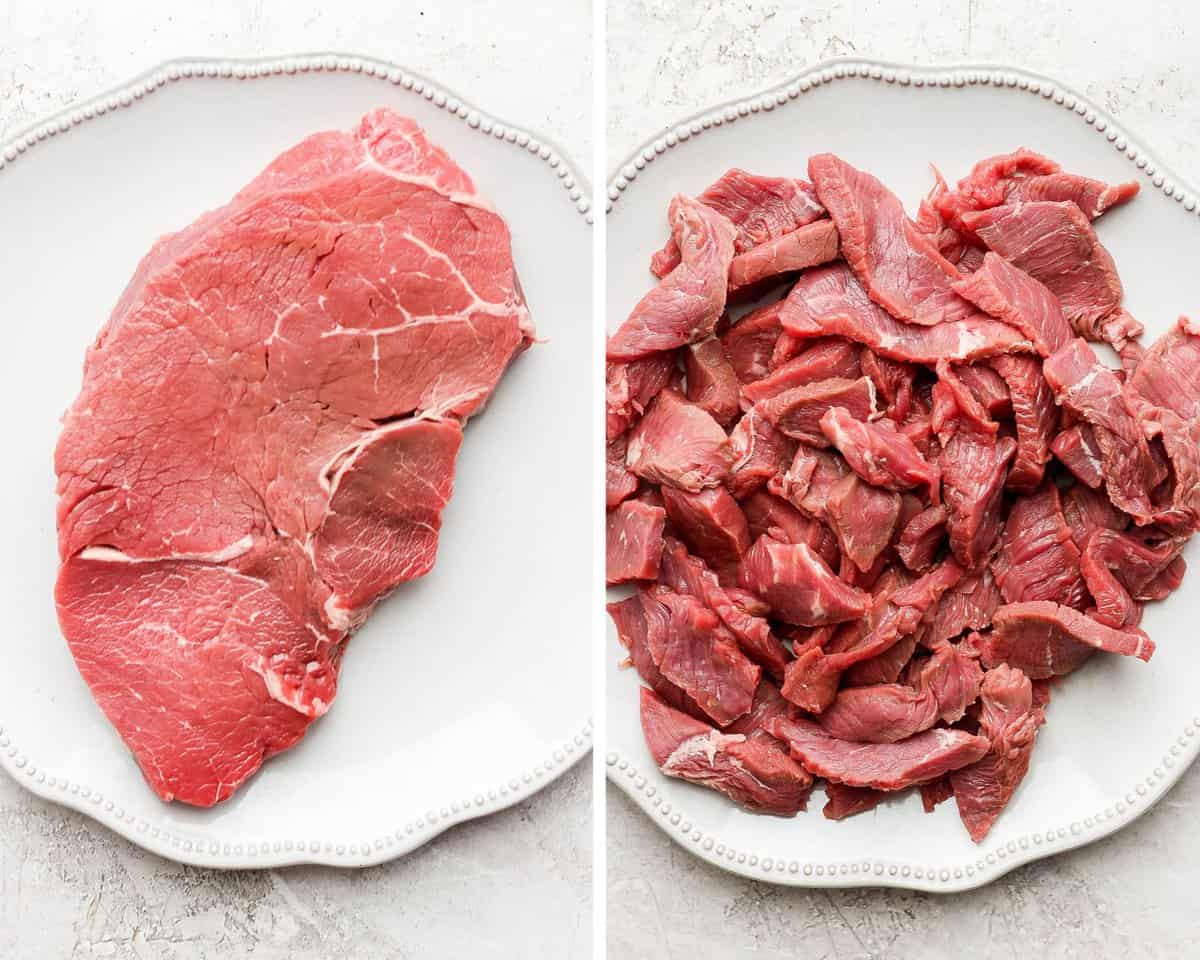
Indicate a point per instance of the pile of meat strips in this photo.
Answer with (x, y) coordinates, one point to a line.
(870, 522)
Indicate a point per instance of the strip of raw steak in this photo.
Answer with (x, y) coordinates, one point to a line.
(265, 440)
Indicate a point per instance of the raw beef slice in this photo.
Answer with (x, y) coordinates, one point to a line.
(265, 440)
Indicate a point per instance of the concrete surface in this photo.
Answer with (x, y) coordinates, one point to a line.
(1128, 896)
(516, 885)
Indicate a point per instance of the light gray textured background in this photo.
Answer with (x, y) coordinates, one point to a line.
(1129, 896)
(515, 885)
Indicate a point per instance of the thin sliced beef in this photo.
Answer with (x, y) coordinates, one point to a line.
(842, 801)
(1010, 722)
(712, 383)
(1118, 568)
(636, 618)
(935, 792)
(1044, 639)
(809, 479)
(679, 445)
(701, 657)
(988, 387)
(1038, 558)
(1036, 417)
(830, 302)
(1164, 395)
(879, 453)
(953, 400)
(619, 481)
(882, 766)
(863, 518)
(968, 605)
(797, 412)
(1056, 244)
(760, 453)
(974, 466)
(760, 208)
(1025, 175)
(1086, 510)
(1012, 295)
(798, 585)
(629, 388)
(768, 704)
(769, 514)
(893, 382)
(1092, 391)
(712, 525)
(811, 680)
(634, 542)
(687, 303)
(898, 265)
(947, 684)
(921, 539)
(750, 343)
(806, 246)
(820, 360)
(753, 774)
(743, 615)
(1077, 450)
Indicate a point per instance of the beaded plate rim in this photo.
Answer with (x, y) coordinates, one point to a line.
(200, 847)
(996, 859)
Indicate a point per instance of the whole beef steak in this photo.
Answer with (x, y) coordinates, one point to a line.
(265, 440)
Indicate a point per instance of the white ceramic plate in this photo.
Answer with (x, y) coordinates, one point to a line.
(467, 690)
(1119, 732)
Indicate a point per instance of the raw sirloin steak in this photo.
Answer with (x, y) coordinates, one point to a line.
(265, 440)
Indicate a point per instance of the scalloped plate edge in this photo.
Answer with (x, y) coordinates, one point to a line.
(998, 859)
(194, 847)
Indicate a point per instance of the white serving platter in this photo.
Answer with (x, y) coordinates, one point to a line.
(1119, 732)
(467, 690)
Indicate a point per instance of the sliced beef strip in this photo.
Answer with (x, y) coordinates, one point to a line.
(760, 453)
(1010, 722)
(680, 445)
(629, 388)
(633, 542)
(753, 774)
(712, 383)
(842, 801)
(806, 246)
(750, 342)
(881, 766)
(1038, 558)
(1092, 391)
(830, 302)
(819, 360)
(713, 526)
(760, 208)
(1056, 244)
(797, 412)
(1044, 639)
(687, 303)
(1036, 417)
(742, 615)
(1002, 290)
(798, 585)
(863, 518)
(879, 453)
(701, 657)
(897, 264)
